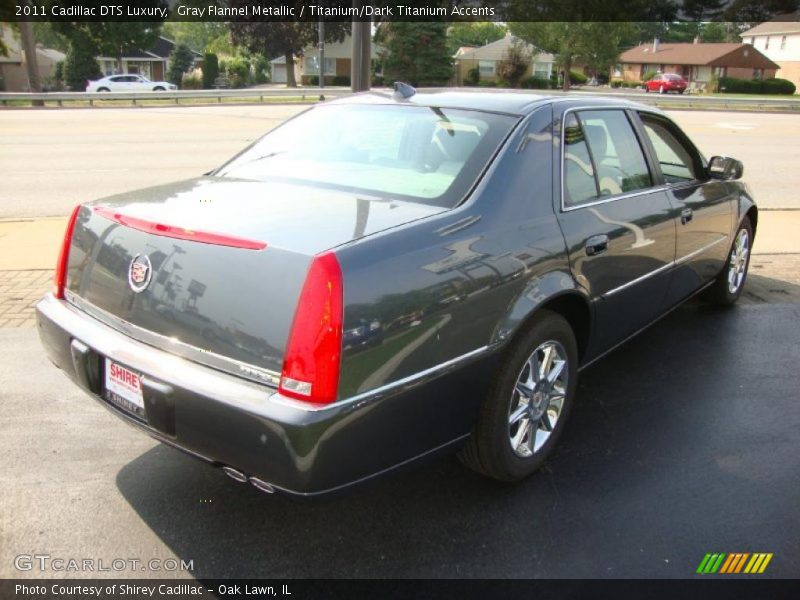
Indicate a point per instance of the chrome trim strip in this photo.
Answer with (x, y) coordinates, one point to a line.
(691, 255)
(633, 282)
(564, 208)
(378, 392)
(176, 346)
(673, 263)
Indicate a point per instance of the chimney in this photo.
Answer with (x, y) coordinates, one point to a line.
(696, 39)
(655, 44)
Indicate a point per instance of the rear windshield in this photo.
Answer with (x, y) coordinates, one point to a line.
(421, 154)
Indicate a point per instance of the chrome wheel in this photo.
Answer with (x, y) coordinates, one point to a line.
(737, 264)
(538, 398)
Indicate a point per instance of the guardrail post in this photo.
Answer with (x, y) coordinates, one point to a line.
(91, 102)
(219, 99)
(134, 101)
(177, 100)
(60, 103)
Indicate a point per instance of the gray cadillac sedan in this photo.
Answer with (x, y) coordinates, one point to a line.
(387, 277)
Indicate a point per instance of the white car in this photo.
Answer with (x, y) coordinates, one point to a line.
(128, 83)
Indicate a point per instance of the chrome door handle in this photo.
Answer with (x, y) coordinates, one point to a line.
(596, 245)
(686, 215)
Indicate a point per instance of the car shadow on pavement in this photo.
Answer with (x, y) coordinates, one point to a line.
(671, 452)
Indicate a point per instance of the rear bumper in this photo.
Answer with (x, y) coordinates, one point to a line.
(227, 420)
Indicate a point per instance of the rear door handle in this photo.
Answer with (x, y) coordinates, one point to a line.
(686, 215)
(596, 244)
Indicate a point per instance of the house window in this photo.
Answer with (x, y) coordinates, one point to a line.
(312, 65)
(541, 70)
(758, 73)
(783, 43)
(486, 67)
(721, 71)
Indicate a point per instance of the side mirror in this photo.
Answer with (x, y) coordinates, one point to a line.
(723, 167)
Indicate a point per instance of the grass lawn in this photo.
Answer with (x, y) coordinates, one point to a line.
(100, 103)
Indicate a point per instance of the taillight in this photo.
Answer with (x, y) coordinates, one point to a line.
(60, 277)
(314, 348)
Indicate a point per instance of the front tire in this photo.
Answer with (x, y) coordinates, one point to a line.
(524, 413)
(662, 90)
(730, 282)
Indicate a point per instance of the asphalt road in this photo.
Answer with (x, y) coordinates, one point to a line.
(683, 442)
(53, 159)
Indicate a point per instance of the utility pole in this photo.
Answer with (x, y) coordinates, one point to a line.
(321, 48)
(361, 56)
(32, 65)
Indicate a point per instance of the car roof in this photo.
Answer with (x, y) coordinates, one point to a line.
(512, 102)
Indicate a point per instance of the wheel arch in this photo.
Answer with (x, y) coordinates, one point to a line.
(571, 303)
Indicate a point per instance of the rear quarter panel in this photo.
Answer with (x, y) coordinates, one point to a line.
(460, 281)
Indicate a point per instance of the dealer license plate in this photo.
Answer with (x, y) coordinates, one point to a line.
(124, 388)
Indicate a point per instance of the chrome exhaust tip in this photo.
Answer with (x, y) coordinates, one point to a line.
(262, 485)
(234, 474)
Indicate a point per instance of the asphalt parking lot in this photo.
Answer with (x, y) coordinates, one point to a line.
(683, 442)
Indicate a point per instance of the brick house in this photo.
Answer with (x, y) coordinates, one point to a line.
(697, 62)
(485, 59)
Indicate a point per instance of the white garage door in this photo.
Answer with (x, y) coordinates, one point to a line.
(278, 73)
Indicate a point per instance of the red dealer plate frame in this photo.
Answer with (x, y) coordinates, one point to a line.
(123, 388)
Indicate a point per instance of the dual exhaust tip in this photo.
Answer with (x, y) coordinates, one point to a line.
(257, 483)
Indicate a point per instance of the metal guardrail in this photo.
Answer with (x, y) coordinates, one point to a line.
(667, 101)
(304, 93)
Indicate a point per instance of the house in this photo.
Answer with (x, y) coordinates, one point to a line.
(696, 62)
(485, 59)
(13, 69)
(779, 40)
(153, 62)
(337, 63)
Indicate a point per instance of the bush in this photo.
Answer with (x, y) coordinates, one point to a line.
(238, 71)
(515, 62)
(536, 83)
(487, 84)
(80, 65)
(778, 86)
(210, 70)
(732, 85)
(648, 75)
(616, 83)
(261, 68)
(377, 81)
(473, 76)
(180, 62)
(576, 78)
(341, 80)
(192, 81)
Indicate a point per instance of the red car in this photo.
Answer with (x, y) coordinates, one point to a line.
(667, 82)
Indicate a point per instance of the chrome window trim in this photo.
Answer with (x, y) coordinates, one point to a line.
(175, 346)
(665, 267)
(650, 190)
(377, 393)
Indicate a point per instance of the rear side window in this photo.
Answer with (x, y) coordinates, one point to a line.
(678, 161)
(602, 157)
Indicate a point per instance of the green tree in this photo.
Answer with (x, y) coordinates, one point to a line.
(271, 39)
(594, 44)
(180, 61)
(467, 33)
(210, 70)
(80, 64)
(415, 52)
(195, 34)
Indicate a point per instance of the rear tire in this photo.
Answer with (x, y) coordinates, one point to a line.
(158, 88)
(103, 89)
(662, 90)
(524, 413)
(730, 282)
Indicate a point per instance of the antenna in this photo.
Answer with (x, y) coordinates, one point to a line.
(403, 91)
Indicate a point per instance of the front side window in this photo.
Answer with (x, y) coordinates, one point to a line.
(422, 154)
(677, 160)
(602, 157)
